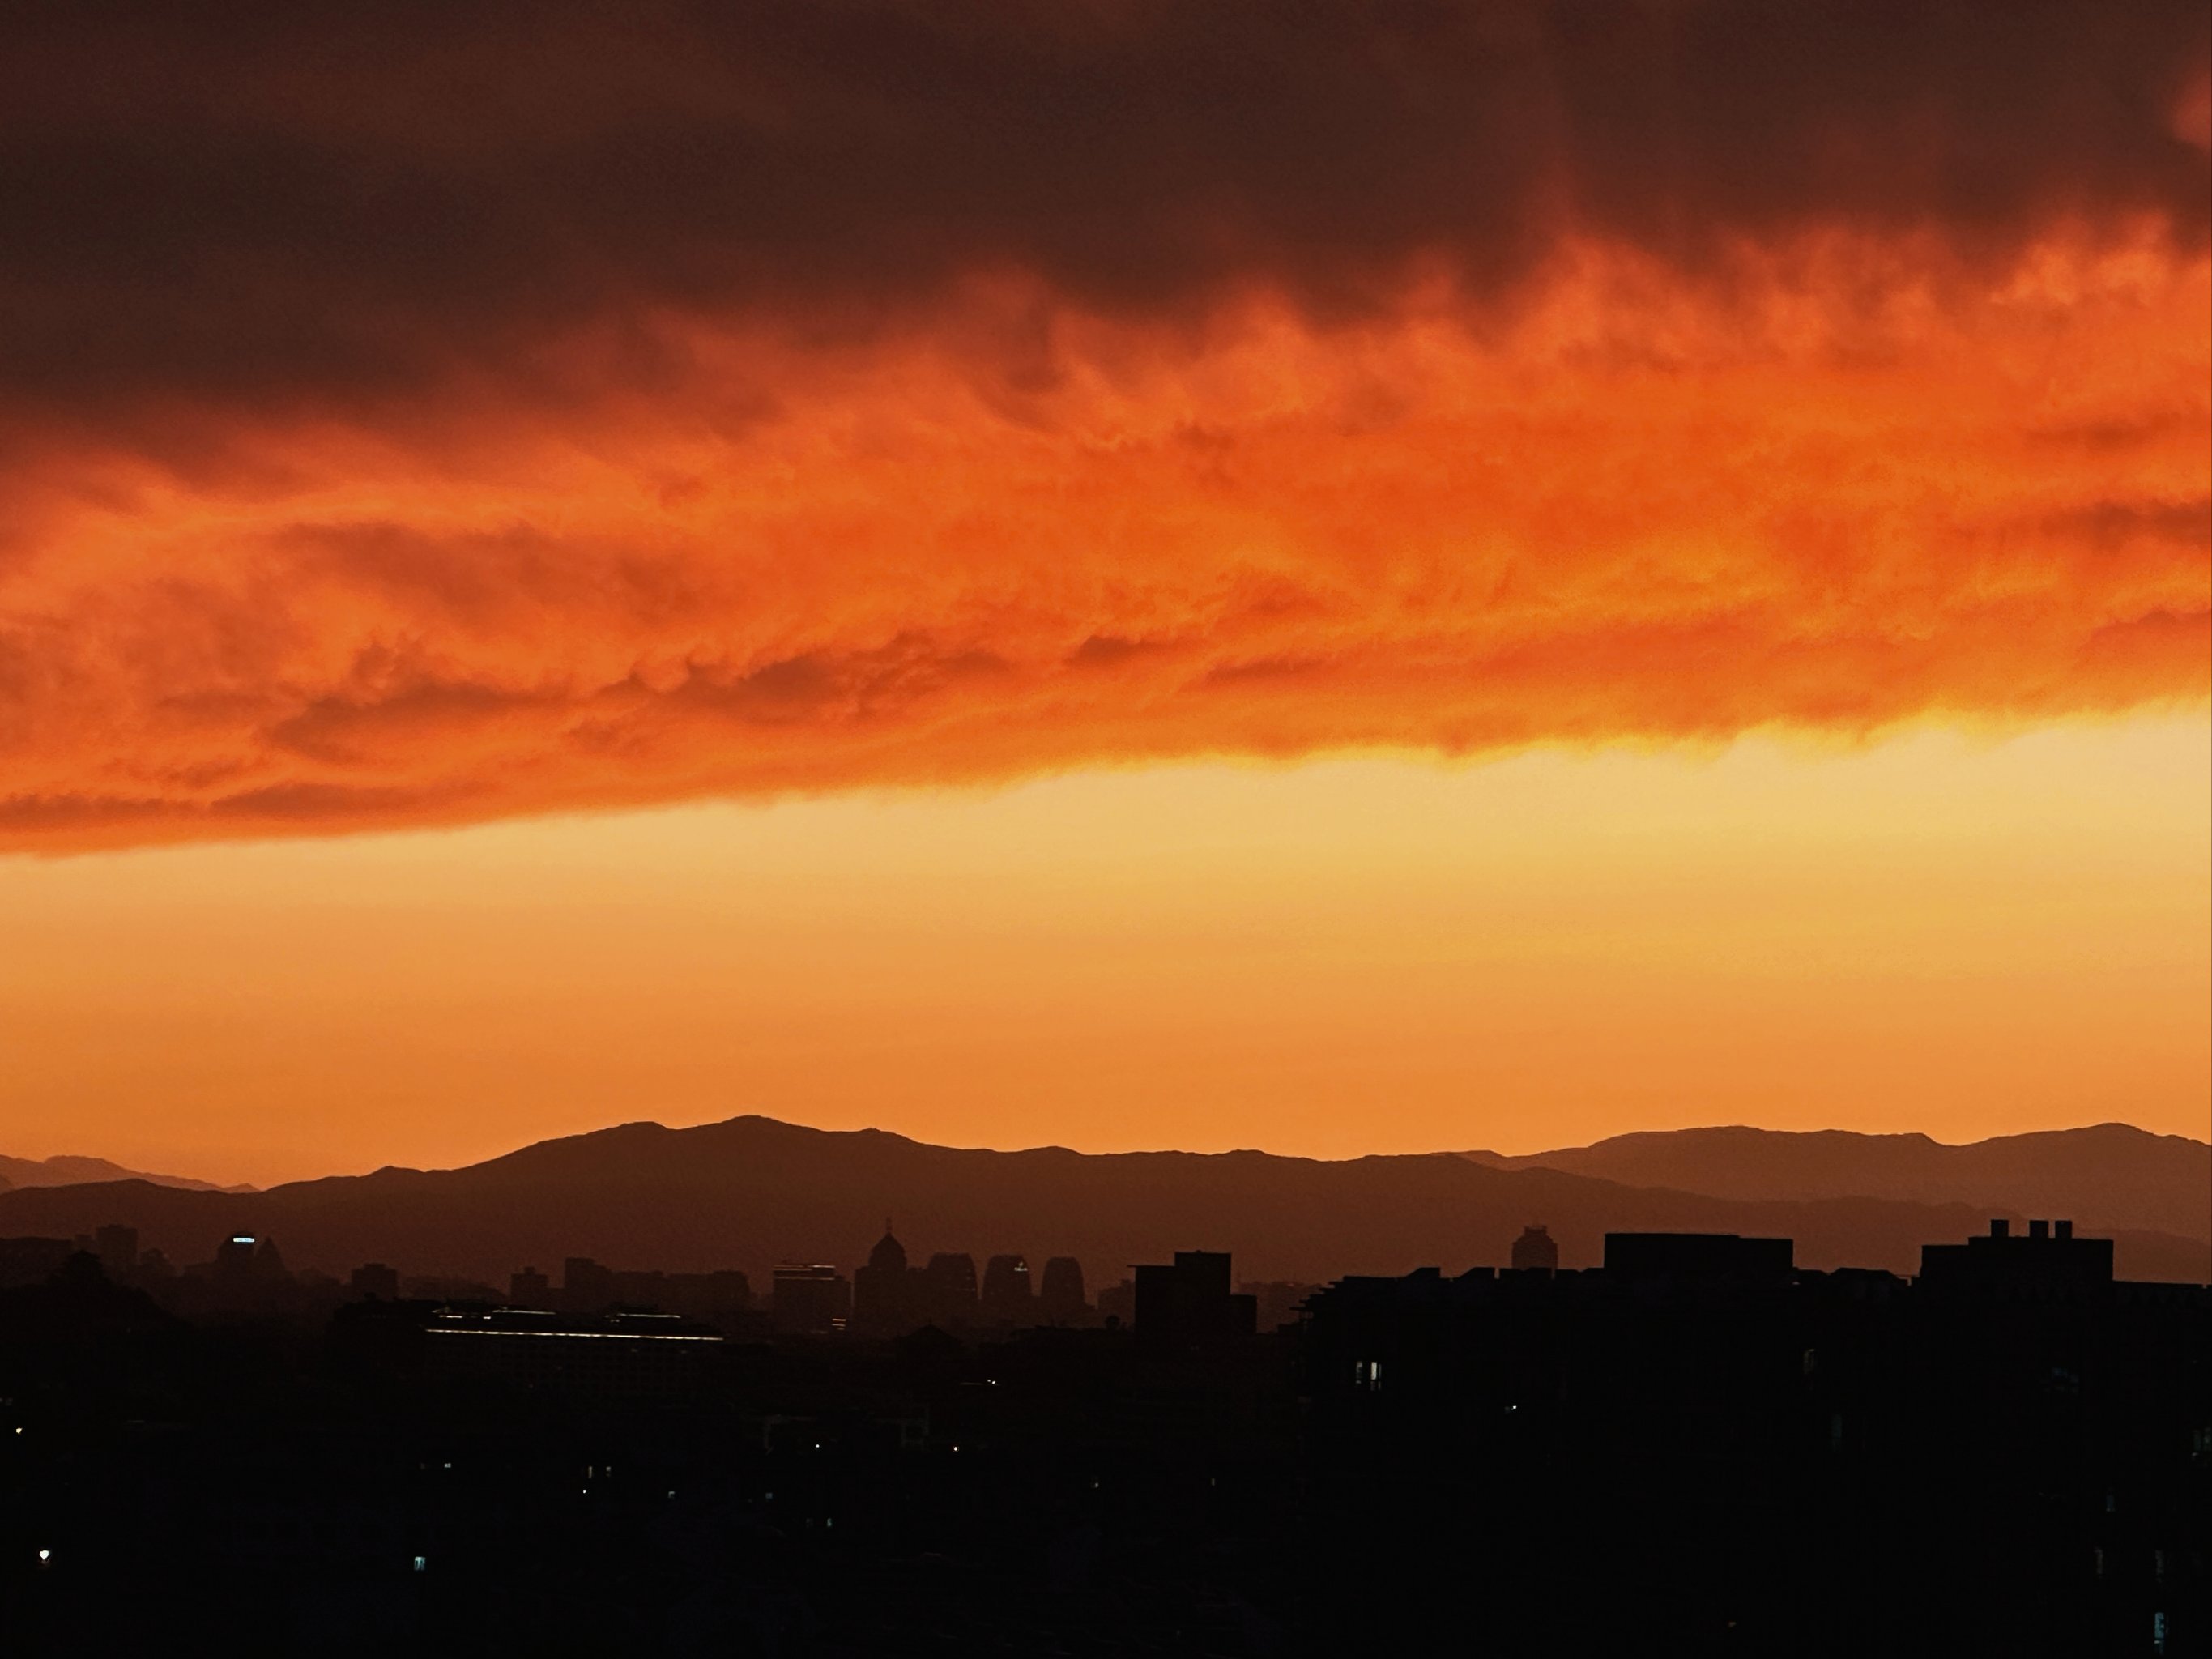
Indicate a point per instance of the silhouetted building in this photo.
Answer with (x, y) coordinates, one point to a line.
(2007, 1455)
(246, 1266)
(1689, 1454)
(2047, 1259)
(587, 1286)
(811, 1298)
(448, 1287)
(949, 1289)
(117, 1247)
(1279, 1301)
(592, 1286)
(1006, 1292)
(374, 1279)
(1189, 1303)
(1535, 1249)
(1060, 1298)
(588, 1355)
(233, 1258)
(720, 1294)
(1699, 1257)
(883, 1299)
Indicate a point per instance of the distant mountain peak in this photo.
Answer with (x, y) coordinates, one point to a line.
(72, 1170)
(2102, 1175)
(751, 1191)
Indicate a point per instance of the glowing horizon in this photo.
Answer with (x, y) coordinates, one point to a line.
(1330, 958)
(1340, 577)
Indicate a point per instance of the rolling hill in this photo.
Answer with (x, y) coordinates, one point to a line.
(73, 1171)
(2107, 1177)
(751, 1191)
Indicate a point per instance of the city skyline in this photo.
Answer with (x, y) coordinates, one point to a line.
(1234, 828)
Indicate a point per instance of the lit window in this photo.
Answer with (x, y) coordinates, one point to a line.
(421, 1563)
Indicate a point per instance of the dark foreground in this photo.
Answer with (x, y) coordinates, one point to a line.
(1682, 1453)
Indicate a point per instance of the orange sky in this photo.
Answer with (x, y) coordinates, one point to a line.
(1854, 485)
(555, 568)
(1962, 935)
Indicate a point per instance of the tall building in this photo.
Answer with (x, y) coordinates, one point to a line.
(1699, 1258)
(373, 1279)
(948, 1289)
(530, 1289)
(1060, 1297)
(1189, 1303)
(1006, 1288)
(1536, 1247)
(1278, 1301)
(233, 1258)
(590, 1355)
(883, 1299)
(244, 1259)
(2047, 1259)
(587, 1286)
(811, 1298)
(2007, 1455)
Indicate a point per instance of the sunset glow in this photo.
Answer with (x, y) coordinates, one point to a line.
(1968, 937)
(895, 568)
(1030, 539)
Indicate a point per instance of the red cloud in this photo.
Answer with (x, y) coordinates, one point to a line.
(510, 413)
(1027, 537)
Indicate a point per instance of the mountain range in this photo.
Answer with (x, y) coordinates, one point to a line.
(73, 1171)
(751, 1191)
(2109, 1175)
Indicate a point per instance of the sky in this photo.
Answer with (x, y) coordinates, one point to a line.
(1332, 576)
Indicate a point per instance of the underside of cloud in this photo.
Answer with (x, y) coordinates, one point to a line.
(512, 410)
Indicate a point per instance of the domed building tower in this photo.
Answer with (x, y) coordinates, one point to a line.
(889, 1255)
(880, 1303)
(1536, 1249)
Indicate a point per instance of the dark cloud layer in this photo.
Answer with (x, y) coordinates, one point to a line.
(334, 202)
(419, 414)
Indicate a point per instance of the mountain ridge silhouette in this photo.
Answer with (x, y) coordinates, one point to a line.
(74, 1170)
(750, 1190)
(2110, 1176)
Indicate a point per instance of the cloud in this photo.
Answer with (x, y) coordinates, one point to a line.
(331, 204)
(507, 411)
